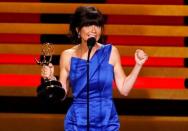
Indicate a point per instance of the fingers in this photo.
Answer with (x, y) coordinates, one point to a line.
(47, 71)
(140, 56)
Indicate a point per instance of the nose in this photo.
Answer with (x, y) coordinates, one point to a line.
(93, 29)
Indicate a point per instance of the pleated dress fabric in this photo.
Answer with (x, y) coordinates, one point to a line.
(102, 111)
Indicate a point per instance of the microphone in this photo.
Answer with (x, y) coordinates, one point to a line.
(91, 42)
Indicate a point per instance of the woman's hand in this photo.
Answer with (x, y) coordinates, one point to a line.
(140, 57)
(47, 71)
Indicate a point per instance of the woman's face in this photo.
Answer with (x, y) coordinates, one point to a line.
(90, 31)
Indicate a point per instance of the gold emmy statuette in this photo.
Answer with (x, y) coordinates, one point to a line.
(49, 90)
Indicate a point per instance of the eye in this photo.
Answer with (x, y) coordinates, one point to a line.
(98, 26)
(87, 25)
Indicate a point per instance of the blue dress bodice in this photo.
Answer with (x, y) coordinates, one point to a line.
(102, 112)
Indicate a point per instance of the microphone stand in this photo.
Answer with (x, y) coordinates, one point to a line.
(90, 43)
(88, 124)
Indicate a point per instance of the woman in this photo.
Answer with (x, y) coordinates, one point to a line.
(105, 66)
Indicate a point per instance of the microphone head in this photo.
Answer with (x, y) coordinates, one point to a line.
(91, 42)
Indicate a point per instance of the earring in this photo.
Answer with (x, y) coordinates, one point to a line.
(78, 34)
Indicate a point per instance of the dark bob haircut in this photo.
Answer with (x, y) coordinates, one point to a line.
(84, 16)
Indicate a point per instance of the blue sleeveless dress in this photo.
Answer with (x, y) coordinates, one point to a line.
(103, 115)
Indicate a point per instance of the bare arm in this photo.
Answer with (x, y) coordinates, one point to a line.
(47, 71)
(64, 70)
(125, 83)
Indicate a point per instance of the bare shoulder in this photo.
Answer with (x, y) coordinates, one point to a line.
(65, 58)
(68, 53)
(114, 56)
(115, 51)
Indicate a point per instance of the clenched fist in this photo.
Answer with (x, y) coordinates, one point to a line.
(140, 57)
